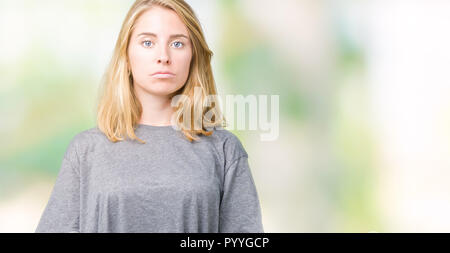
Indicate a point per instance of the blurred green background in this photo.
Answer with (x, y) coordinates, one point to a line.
(364, 142)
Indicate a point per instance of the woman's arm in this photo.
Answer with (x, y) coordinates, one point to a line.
(240, 210)
(61, 215)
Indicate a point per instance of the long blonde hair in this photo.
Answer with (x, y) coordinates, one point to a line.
(118, 108)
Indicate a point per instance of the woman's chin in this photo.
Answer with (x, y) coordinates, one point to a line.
(160, 88)
(163, 91)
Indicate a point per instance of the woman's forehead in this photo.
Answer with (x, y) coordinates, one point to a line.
(160, 21)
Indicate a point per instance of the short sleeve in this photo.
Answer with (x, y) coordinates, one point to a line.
(61, 214)
(240, 210)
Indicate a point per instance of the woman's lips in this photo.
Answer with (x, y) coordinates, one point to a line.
(163, 75)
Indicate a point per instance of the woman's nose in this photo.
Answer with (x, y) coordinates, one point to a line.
(164, 57)
(164, 60)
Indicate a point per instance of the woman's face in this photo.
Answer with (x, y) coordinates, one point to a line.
(160, 43)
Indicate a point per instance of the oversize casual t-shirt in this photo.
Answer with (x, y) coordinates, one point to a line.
(167, 185)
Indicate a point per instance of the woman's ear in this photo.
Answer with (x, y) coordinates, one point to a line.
(128, 67)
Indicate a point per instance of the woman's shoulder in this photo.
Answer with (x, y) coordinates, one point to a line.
(88, 134)
(223, 135)
(83, 141)
(86, 137)
(229, 142)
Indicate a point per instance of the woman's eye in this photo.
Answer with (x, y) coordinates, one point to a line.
(147, 43)
(178, 44)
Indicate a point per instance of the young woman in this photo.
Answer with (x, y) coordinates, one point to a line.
(145, 167)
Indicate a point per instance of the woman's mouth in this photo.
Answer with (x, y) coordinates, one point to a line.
(163, 75)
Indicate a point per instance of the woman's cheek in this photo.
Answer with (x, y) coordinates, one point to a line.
(186, 61)
(142, 56)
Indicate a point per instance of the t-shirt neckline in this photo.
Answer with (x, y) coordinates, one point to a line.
(156, 127)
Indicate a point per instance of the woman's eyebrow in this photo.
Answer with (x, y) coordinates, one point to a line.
(171, 36)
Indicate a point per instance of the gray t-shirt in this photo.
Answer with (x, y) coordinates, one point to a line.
(168, 185)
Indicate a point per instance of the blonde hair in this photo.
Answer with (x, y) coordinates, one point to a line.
(118, 108)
